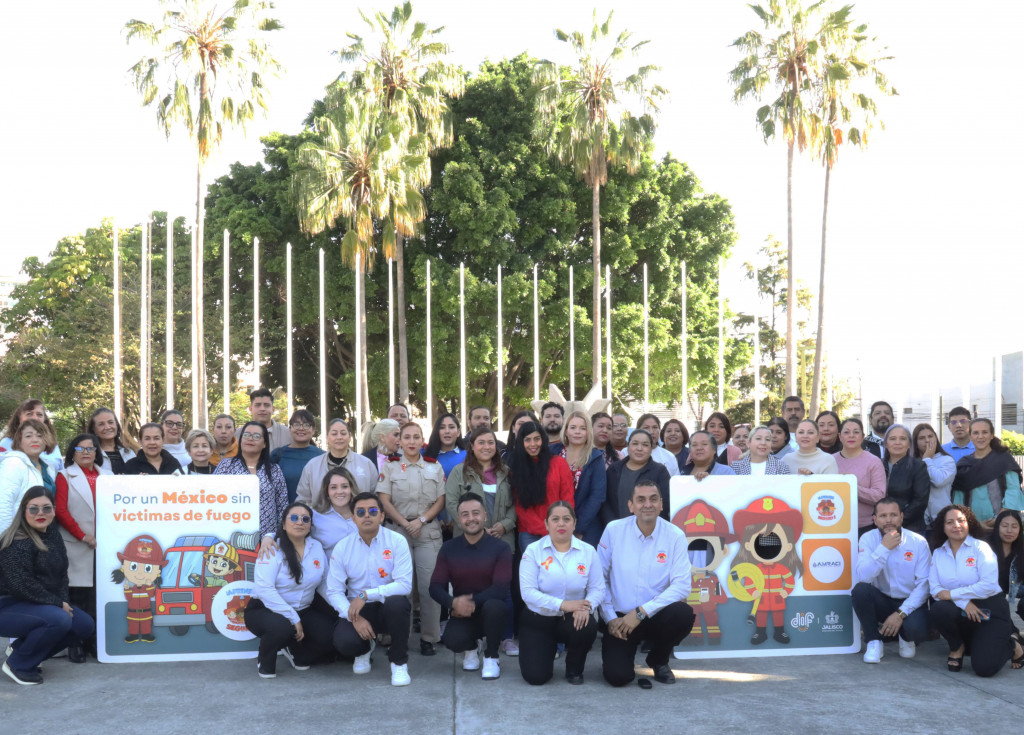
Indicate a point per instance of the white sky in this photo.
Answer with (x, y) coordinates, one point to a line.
(924, 260)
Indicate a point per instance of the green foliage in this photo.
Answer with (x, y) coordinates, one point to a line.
(1013, 441)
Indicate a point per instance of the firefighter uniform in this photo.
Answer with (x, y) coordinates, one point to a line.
(705, 597)
(700, 521)
(412, 488)
(140, 609)
(777, 578)
(146, 560)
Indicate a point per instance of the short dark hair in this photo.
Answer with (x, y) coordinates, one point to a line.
(957, 411)
(69, 455)
(560, 504)
(781, 423)
(887, 500)
(170, 412)
(260, 393)
(358, 498)
(705, 432)
(552, 404)
(725, 422)
(469, 498)
(397, 404)
(304, 416)
(876, 404)
(474, 409)
(151, 425)
(643, 417)
(227, 416)
(793, 399)
(644, 483)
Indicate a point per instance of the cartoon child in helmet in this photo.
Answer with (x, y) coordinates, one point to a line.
(767, 563)
(141, 563)
(219, 561)
(707, 536)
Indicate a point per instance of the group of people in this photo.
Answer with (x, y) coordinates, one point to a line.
(526, 547)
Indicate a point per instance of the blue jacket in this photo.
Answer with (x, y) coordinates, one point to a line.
(591, 493)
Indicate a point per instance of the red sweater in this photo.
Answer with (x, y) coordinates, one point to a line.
(61, 502)
(560, 487)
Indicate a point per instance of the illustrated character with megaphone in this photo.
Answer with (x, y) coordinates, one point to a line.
(765, 568)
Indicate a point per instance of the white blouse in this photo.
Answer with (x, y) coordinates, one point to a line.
(972, 574)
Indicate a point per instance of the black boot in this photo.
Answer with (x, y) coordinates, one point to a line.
(76, 654)
(759, 637)
(781, 635)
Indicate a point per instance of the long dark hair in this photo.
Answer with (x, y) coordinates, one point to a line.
(938, 536)
(19, 527)
(996, 445)
(1016, 554)
(434, 444)
(777, 421)
(69, 457)
(839, 423)
(609, 451)
(915, 452)
(291, 556)
(529, 477)
(511, 443)
(119, 438)
(472, 463)
(725, 423)
(264, 459)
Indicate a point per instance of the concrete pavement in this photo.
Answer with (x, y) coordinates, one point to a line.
(810, 694)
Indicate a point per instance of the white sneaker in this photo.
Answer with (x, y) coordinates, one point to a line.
(492, 669)
(472, 660)
(510, 647)
(874, 652)
(362, 663)
(908, 649)
(400, 675)
(291, 659)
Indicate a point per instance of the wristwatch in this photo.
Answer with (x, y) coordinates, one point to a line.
(640, 614)
(424, 521)
(902, 614)
(362, 596)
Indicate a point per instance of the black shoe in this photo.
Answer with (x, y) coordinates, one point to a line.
(76, 654)
(415, 625)
(781, 636)
(759, 637)
(427, 648)
(664, 674)
(26, 678)
(131, 639)
(574, 678)
(147, 638)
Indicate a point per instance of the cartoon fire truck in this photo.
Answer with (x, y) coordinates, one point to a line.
(186, 598)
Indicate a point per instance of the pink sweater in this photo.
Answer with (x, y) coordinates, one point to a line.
(870, 482)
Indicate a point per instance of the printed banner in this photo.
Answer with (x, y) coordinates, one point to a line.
(175, 559)
(773, 562)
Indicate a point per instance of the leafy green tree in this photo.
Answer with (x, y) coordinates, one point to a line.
(785, 59)
(585, 117)
(403, 68)
(210, 59)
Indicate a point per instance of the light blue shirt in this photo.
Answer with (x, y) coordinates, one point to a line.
(274, 584)
(548, 578)
(901, 573)
(957, 452)
(381, 569)
(643, 571)
(973, 574)
(331, 527)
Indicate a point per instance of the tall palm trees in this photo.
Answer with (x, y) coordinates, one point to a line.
(787, 63)
(207, 72)
(585, 118)
(403, 69)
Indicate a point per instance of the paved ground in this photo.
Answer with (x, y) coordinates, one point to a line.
(812, 694)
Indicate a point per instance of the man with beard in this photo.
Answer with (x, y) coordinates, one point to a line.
(551, 416)
(881, 418)
(892, 583)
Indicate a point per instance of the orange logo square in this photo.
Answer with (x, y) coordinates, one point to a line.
(828, 506)
(828, 564)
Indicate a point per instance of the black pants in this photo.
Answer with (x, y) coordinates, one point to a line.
(391, 616)
(988, 642)
(275, 632)
(539, 635)
(663, 631)
(488, 621)
(873, 607)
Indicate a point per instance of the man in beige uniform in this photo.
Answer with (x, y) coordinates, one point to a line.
(411, 489)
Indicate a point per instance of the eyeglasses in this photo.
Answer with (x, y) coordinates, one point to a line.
(296, 518)
(34, 510)
(372, 512)
(85, 450)
(620, 426)
(251, 435)
(961, 422)
(305, 427)
(175, 424)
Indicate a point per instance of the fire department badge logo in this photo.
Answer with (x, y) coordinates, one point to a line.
(316, 563)
(227, 611)
(581, 569)
(662, 557)
(387, 554)
(908, 556)
(970, 561)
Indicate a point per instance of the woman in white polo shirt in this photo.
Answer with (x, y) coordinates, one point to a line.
(562, 583)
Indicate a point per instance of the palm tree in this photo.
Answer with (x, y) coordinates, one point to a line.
(404, 69)
(361, 169)
(842, 102)
(787, 63)
(207, 72)
(584, 117)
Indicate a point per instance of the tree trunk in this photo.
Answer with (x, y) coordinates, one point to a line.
(403, 348)
(361, 326)
(790, 279)
(596, 306)
(819, 345)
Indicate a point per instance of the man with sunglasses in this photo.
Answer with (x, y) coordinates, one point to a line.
(368, 584)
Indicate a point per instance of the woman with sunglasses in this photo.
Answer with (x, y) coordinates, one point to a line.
(281, 613)
(35, 606)
(253, 458)
(76, 514)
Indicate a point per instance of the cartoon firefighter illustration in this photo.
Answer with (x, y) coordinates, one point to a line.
(765, 568)
(219, 561)
(707, 535)
(141, 563)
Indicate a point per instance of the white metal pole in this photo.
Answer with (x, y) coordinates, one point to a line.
(536, 338)
(144, 327)
(757, 350)
(256, 312)
(430, 358)
(572, 340)
(358, 353)
(608, 331)
(169, 320)
(685, 385)
(227, 322)
(118, 399)
(647, 373)
(323, 360)
(288, 329)
(195, 306)
(462, 343)
(391, 333)
(721, 344)
(997, 394)
(501, 362)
